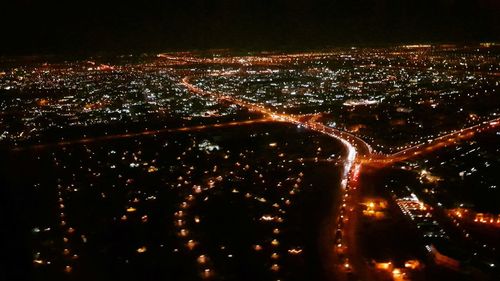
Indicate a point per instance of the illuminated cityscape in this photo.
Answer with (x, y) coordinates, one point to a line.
(250, 140)
(342, 164)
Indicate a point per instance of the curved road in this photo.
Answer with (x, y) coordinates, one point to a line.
(359, 153)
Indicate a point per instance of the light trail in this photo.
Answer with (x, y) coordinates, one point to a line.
(450, 139)
(353, 145)
(359, 153)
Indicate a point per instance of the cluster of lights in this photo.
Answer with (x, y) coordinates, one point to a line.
(419, 212)
(479, 218)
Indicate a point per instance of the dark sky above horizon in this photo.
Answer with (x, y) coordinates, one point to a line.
(76, 26)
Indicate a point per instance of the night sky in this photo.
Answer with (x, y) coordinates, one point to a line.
(75, 26)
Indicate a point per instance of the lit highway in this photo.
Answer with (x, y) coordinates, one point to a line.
(341, 164)
(432, 145)
(359, 153)
(146, 133)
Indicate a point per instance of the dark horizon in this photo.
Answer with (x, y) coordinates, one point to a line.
(115, 27)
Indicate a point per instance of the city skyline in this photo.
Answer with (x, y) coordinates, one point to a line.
(201, 166)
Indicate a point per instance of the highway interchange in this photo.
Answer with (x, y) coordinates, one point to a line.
(358, 154)
(321, 92)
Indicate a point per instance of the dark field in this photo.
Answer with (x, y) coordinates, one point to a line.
(250, 210)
